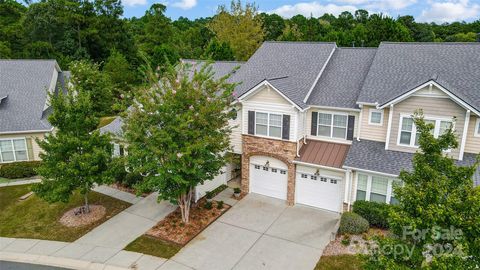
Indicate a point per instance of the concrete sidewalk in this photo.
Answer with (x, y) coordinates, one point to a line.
(75, 256)
(117, 232)
(118, 194)
(18, 182)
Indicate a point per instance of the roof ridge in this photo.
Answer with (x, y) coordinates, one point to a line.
(430, 43)
(18, 60)
(365, 48)
(300, 42)
(214, 61)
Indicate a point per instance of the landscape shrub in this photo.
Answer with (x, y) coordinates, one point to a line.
(131, 179)
(21, 169)
(208, 205)
(220, 205)
(376, 213)
(351, 223)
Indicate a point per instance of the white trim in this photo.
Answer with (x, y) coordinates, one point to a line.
(318, 166)
(14, 150)
(347, 187)
(369, 171)
(26, 131)
(360, 120)
(464, 135)
(331, 124)
(319, 74)
(476, 130)
(332, 140)
(389, 127)
(372, 110)
(268, 125)
(367, 103)
(429, 83)
(333, 108)
(368, 192)
(414, 128)
(266, 83)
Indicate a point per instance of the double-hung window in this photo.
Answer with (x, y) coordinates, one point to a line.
(409, 135)
(376, 188)
(477, 128)
(13, 150)
(332, 125)
(268, 124)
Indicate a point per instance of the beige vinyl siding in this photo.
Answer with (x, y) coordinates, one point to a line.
(308, 125)
(33, 153)
(236, 136)
(373, 132)
(268, 100)
(432, 107)
(473, 143)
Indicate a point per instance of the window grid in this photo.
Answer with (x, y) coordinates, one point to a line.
(409, 136)
(12, 150)
(268, 124)
(332, 125)
(376, 188)
(375, 117)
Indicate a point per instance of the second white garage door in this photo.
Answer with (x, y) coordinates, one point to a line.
(268, 176)
(319, 191)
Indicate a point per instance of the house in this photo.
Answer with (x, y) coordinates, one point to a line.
(323, 126)
(24, 106)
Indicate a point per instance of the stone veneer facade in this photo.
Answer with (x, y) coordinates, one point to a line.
(284, 151)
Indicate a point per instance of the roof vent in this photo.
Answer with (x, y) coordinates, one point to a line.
(2, 98)
(434, 76)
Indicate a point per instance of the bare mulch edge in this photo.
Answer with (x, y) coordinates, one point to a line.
(127, 189)
(226, 208)
(69, 219)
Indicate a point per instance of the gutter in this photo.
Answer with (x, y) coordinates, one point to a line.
(27, 131)
(318, 166)
(369, 171)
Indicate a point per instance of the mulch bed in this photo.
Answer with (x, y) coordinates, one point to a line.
(69, 219)
(172, 229)
(359, 243)
(127, 189)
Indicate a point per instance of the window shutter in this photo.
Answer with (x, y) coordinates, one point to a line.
(29, 148)
(251, 122)
(350, 127)
(286, 127)
(314, 123)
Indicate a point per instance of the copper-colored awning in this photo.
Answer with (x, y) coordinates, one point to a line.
(324, 153)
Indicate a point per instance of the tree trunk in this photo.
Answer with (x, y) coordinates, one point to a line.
(184, 202)
(87, 206)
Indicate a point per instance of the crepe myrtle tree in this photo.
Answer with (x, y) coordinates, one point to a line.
(75, 156)
(177, 131)
(436, 223)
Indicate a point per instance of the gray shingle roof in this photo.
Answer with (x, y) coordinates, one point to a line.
(114, 127)
(343, 78)
(25, 82)
(400, 67)
(372, 156)
(291, 67)
(220, 68)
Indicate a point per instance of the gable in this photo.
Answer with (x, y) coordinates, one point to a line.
(267, 94)
(433, 92)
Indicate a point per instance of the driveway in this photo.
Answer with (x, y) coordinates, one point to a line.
(260, 233)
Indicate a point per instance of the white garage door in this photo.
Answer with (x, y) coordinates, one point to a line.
(319, 191)
(268, 176)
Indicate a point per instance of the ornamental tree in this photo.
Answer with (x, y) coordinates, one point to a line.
(437, 220)
(177, 132)
(75, 156)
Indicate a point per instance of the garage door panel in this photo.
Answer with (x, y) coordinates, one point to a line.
(268, 181)
(318, 193)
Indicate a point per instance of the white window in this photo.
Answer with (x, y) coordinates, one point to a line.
(274, 170)
(313, 177)
(332, 125)
(409, 135)
(376, 188)
(283, 172)
(268, 124)
(13, 150)
(375, 117)
(477, 128)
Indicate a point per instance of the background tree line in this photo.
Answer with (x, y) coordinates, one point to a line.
(72, 30)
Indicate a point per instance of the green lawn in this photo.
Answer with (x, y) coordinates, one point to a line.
(155, 247)
(35, 218)
(340, 262)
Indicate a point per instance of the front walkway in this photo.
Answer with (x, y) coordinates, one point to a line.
(260, 232)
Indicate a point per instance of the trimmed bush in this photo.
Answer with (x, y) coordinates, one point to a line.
(21, 169)
(376, 213)
(352, 223)
(132, 179)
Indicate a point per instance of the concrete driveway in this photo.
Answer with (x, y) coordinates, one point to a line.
(261, 233)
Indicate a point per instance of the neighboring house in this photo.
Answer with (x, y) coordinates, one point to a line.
(24, 106)
(324, 126)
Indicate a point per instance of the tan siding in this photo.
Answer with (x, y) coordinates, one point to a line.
(35, 147)
(473, 143)
(268, 100)
(308, 125)
(432, 107)
(373, 132)
(268, 95)
(236, 136)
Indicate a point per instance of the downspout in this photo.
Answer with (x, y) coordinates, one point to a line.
(360, 116)
(464, 135)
